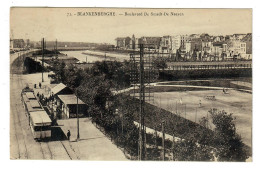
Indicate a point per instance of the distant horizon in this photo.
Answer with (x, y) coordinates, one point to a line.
(127, 36)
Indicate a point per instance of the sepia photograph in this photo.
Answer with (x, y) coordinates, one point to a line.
(131, 84)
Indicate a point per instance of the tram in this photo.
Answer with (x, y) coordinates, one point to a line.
(39, 120)
(40, 124)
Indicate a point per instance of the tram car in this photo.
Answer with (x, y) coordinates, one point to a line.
(30, 103)
(39, 120)
(40, 124)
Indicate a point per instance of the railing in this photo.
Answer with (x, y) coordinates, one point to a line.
(209, 67)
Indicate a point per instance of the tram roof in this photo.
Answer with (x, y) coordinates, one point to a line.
(40, 118)
(33, 105)
(30, 95)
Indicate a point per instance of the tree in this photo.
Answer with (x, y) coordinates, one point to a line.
(203, 122)
(73, 76)
(188, 150)
(229, 146)
(94, 91)
(160, 63)
(60, 72)
(117, 72)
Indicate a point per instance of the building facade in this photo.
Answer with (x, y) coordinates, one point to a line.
(123, 42)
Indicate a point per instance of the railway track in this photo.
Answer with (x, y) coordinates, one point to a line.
(19, 122)
(66, 150)
(17, 125)
(46, 151)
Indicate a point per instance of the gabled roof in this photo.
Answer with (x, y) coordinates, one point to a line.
(70, 99)
(58, 88)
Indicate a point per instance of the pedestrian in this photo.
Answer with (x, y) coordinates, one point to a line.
(68, 135)
(40, 85)
(38, 94)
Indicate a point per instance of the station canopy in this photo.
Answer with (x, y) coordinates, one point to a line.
(58, 88)
(70, 99)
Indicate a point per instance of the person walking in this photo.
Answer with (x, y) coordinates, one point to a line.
(40, 85)
(68, 135)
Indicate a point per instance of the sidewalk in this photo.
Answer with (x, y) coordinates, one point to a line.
(93, 144)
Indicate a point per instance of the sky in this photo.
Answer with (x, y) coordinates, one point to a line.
(54, 23)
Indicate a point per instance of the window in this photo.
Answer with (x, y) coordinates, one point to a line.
(42, 128)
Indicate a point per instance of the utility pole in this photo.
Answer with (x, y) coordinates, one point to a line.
(207, 120)
(163, 138)
(196, 115)
(140, 74)
(42, 57)
(77, 118)
(176, 108)
(122, 123)
(185, 110)
(173, 147)
(156, 138)
(142, 102)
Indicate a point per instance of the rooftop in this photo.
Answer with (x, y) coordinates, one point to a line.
(58, 88)
(70, 99)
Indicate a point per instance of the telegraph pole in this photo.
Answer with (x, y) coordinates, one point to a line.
(163, 138)
(176, 108)
(42, 57)
(140, 74)
(196, 115)
(77, 118)
(185, 111)
(142, 102)
(173, 140)
(207, 120)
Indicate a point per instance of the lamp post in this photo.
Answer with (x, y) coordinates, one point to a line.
(77, 118)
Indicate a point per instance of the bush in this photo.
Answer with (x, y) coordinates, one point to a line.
(229, 146)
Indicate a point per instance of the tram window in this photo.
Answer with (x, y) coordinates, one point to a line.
(44, 128)
(37, 128)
